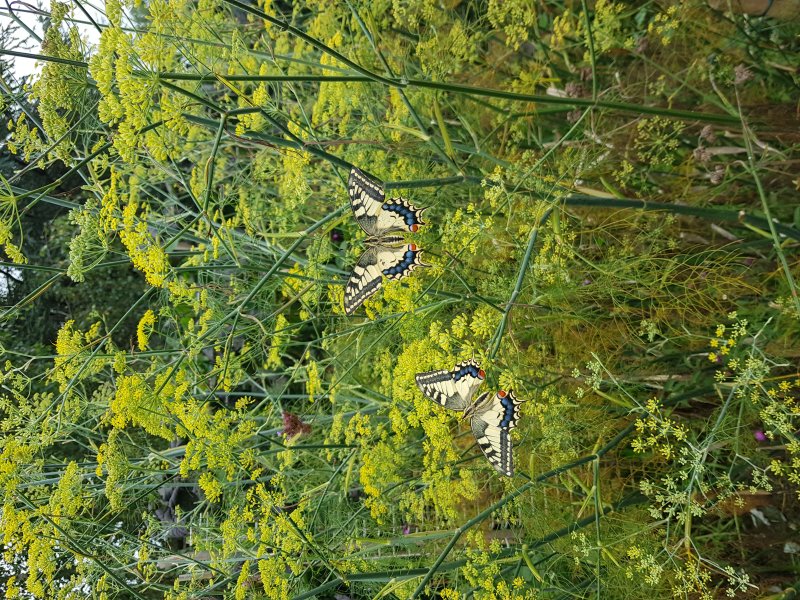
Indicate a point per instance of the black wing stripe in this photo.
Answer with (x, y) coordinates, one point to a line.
(366, 198)
(356, 295)
(364, 281)
(427, 384)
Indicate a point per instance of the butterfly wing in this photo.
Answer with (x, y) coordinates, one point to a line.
(452, 389)
(492, 425)
(376, 215)
(375, 263)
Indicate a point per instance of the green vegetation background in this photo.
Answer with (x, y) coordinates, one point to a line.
(613, 231)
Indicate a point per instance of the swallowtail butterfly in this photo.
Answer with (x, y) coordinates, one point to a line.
(385, 255)
(493, 416)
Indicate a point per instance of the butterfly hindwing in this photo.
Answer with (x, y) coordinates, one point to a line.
(377, 262)
(502, 410)
(495, 444)
(491, 425)
(396, 263)
(376, 215)
(452, 389)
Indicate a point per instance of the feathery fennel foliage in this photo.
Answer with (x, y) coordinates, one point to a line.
(611, 232)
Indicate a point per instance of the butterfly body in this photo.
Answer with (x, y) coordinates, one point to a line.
(385, 255)
(492, 416)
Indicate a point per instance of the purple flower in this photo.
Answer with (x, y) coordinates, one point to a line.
(741, 74)
(701, 154)
(292, 425)
(708, 134)
(759, 435)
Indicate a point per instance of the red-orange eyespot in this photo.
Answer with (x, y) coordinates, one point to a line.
(481, 374)
(414, 227)
(412, 247)
(502, 393)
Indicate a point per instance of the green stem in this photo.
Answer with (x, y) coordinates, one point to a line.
(773, 227)
(590, 43)
(314, 42)
(707, 213)
(621, 106)
(420, 125)
(501, 327)
(30, 297)
(478, 91)
(48, 58)
(598, 512)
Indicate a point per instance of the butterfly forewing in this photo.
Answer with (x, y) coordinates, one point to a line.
(376, 215)
(374, 264)
(366, 199)
(452, 389)
(365, 280)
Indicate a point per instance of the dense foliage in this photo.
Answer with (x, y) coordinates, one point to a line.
(186, 410)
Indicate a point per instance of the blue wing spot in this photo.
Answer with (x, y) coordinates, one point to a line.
(508, 405)
(403, 265)
(409, 216)
(468, 370)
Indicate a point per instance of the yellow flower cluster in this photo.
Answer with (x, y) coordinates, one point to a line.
(644, 564)
(280, 533)
(139, 403)
(24, 140)
(607, 27)
(37, 533)
(313, 380)
(482, 571)
(566, 25)
(292, 184)
(515, 17)
(8, 210)
(145, 328)
(658, 432)
(228, 366)
(73, 354)
(111, 458)
(556, 254)
(301, 283)
(119, 215)
(460, 234)
(91, 244)
(380, 467)
(722, 344)
(214, 438)
(665, 25)
(447, 49)
(280, 337)
(60, 88)
(146, 255)
(336, 102)
(657, 140)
